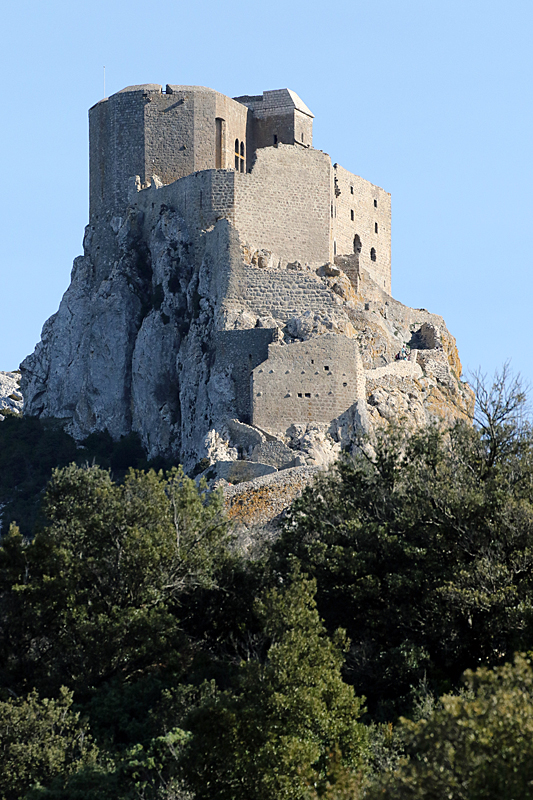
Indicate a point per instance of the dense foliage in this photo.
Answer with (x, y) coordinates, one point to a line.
(422, 550)
(477, 745)
(30, 449)
(142, 657)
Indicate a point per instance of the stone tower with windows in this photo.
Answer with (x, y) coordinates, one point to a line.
(280, 193)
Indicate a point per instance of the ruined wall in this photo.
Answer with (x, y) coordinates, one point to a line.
(312, 381)
(201, 199)
(283, 204)
(370, 207)
(237, 354)
(280, 293)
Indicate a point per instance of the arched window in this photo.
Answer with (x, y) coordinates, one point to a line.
(373, 254)
(242, 156)
(357, 244)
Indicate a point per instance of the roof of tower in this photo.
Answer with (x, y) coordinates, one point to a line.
(274, 101)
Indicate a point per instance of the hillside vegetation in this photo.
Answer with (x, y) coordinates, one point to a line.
(370, 652)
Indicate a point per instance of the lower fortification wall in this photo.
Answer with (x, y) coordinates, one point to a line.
(312, 381)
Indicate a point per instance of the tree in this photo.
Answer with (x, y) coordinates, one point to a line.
(423, 552)
(96, 593)
(41, 739)
(269, 735)
(477, 745)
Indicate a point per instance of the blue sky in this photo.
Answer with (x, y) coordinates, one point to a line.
(430, 100)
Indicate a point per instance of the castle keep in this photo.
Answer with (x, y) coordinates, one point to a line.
(233, 304)
(249, 160)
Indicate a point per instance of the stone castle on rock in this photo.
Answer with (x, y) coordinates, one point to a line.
(233, 302)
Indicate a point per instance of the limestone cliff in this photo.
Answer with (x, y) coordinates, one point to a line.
(162, 329)
(10, 395)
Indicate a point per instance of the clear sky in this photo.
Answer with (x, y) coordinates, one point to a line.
(429, 99)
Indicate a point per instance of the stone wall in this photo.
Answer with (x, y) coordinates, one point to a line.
(144, 131)
(278, 116)
(237, 354)
(312, 381)
(283, 204)
(279, 293)
(370, 208)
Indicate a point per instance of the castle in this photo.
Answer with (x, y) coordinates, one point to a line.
(249, 160)
(233, 300)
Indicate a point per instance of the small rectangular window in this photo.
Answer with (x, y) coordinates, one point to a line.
(375, 203)
(352, 215)
(308, 394)
(326, 368)
(299, 394)
(375, 227)
(351, 189)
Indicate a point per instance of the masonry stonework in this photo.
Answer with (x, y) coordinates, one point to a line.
(281, 194)
(312, 381)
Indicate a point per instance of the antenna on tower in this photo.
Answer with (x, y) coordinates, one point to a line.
(104, 83)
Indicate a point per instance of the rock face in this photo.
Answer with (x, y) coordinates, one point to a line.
(149, 338)
(10, 394)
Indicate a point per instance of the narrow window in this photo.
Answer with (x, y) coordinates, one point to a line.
(275, 138)
(308, 394)
(237, 154)
(332, 211)
(375, 203)
(375, 227)
(242, 156)
(219, 142)
(352, 215)
(357, 243)
(334, 247)
(302, 136)
(373, 254)
(351, 189)
(299, 394)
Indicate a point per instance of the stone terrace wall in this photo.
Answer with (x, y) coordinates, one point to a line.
(312, 381)
(370, 206)
(280, 293)
(262, 500)
(283, 205)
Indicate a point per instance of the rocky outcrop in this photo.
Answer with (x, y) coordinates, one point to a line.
(161, 327)
(11, 400)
